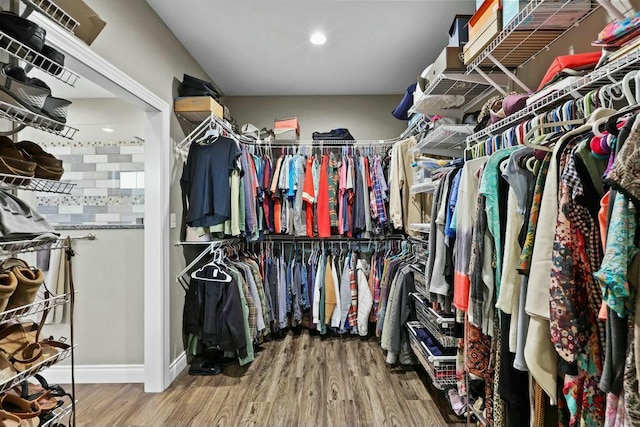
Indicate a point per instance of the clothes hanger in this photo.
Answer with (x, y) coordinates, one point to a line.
(547, 126)
(211, 132)
(226, 278)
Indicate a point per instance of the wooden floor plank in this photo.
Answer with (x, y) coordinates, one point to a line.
(301, 380)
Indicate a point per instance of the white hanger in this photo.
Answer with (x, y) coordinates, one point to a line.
(536, 128)
(215, 262)
(212, 132)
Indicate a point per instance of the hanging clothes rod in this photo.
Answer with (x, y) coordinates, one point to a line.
(308, 143)
(292, 239)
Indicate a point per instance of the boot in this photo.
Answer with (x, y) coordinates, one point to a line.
(29, 281)
(8, 283)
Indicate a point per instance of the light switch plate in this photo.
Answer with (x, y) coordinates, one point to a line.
(172, 220)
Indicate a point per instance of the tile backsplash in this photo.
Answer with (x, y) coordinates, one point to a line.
(109, 178)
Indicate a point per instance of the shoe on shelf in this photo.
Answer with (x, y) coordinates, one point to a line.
(7, 419)
(27, 411)
(22, 30)
(51, 60)
(17, 89)
(47, 165)
(56, 109)
(29, 281)
(8, 284)
(13, 162)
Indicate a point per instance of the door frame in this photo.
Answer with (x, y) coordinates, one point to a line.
(80, 58)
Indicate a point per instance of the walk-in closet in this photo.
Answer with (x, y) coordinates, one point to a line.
(320, 213)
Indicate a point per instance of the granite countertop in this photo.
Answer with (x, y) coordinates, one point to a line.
(100, 227)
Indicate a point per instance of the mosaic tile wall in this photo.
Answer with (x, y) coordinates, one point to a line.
(109, 178)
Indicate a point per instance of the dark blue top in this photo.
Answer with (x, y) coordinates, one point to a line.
(205, 181)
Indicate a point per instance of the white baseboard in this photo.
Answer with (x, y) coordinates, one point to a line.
(109, 374)
(177, 366)
(96, 374)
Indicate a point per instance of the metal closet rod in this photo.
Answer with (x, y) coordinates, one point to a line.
(287, 238)
(320, 143)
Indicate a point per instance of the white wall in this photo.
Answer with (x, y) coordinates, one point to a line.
(366, 117)
(109, 278)
(136, 41)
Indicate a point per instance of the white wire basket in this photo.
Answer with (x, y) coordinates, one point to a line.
(441, 369)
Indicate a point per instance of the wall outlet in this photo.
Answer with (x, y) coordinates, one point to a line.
(173, 221)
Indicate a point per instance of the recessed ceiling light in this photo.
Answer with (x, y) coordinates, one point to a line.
(107, 130)
(318, 38)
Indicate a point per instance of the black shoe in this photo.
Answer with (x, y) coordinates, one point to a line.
(51, 60)
(204, 369)
(22, 30)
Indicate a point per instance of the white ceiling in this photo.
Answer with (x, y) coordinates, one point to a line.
(261, 47)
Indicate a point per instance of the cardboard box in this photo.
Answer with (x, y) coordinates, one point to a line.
(288, 123)
(483, 17)
(448, 60)
(200, 106)
(477, 44)
(286, 134)
(90, 23)
(459, 31)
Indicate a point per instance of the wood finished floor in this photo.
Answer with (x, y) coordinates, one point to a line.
(297, 381)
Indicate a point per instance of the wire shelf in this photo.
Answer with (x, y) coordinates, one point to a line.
(39, 367)
(35, 184)
(440, 327)
(24, 246)
(441, 369)
(615, 70)
(477, 414)
(419, 280)
(37, 306)
(420, 227)
(37, 60)
(37, 121)
(444, 137)
(539, 24)
(51, 10)
(58, 415)
(425, 187)
(471, 86)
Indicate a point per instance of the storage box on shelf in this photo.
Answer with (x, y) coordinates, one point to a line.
(197, 108)
(441, 369)
(444, 137)
(440, 327)
(459, 31)
(484, 26)
(615, 70)
(539, 23)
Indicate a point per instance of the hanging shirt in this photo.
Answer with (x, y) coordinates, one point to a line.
(205, 182)
(324, 221)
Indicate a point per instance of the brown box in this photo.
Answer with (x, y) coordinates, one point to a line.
(90, 22)
(448, 60)
(477, 44)
(197, 107)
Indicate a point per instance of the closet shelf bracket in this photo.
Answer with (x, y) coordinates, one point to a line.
(508, 73)
(611, 9)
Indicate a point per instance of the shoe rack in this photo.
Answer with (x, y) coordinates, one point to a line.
(32, 59)
(45, 301)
